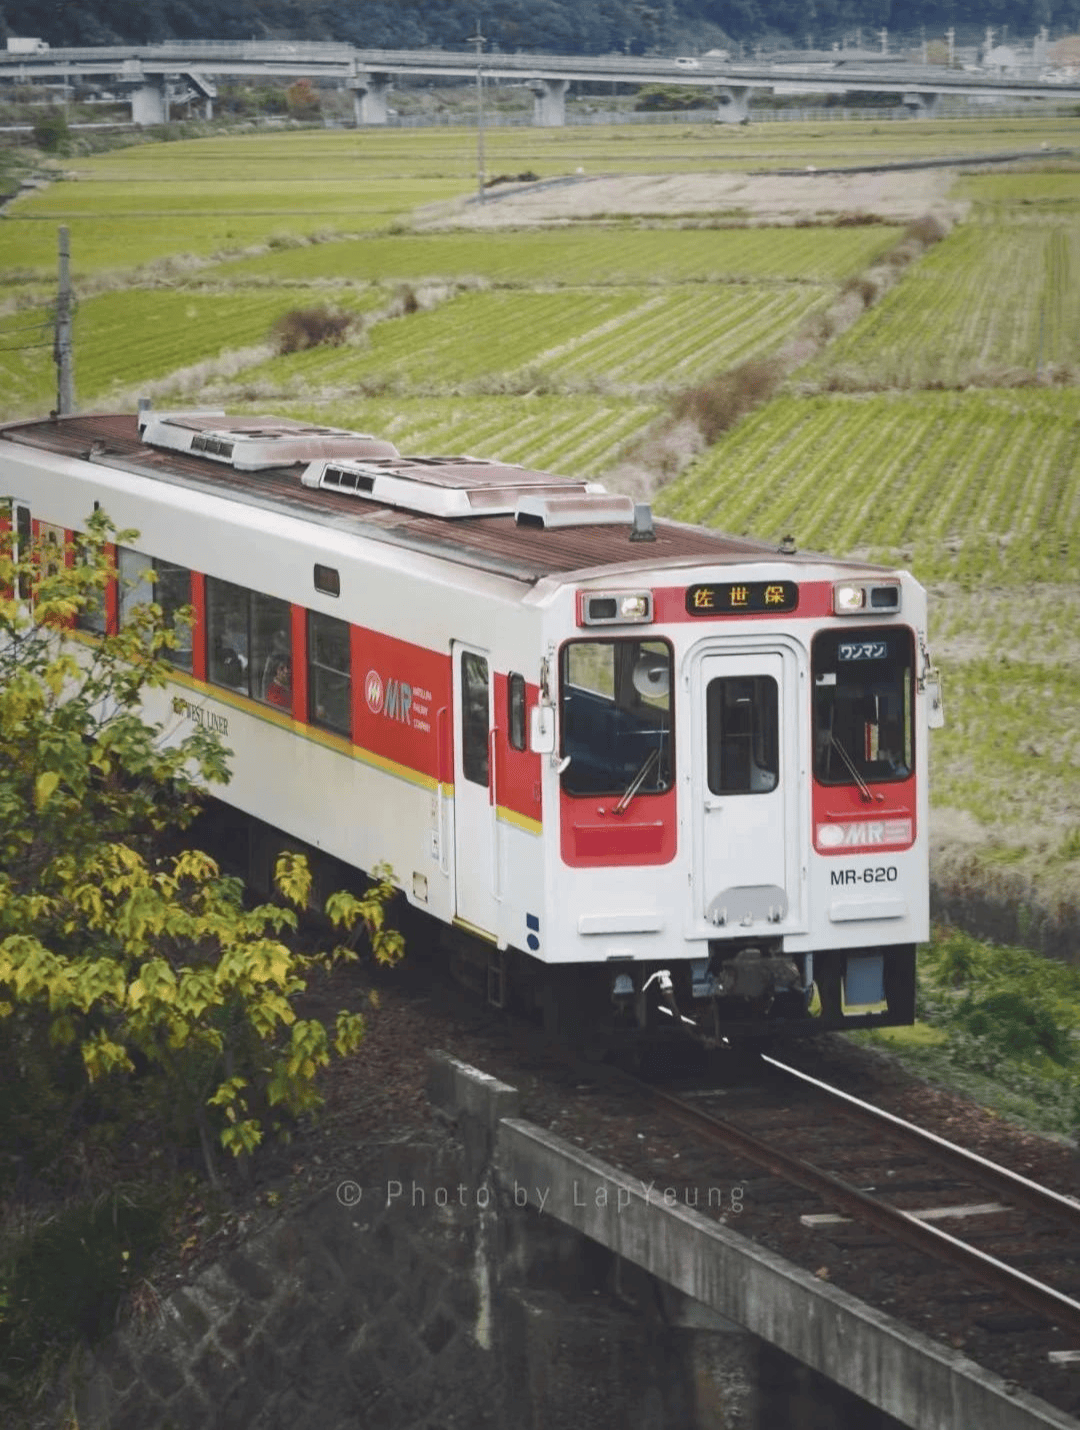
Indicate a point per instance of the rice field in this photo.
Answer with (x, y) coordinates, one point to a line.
(970, 487)
(574, 435)
(597, 255)
(633, 339)
(992, 298)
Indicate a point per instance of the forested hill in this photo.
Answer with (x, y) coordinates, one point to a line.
(566, 26)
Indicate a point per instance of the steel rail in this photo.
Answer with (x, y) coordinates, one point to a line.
(1042, 1200)
(1045, 1301)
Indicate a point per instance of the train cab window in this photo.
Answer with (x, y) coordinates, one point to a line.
(863, 703)
(742, 734)
(515, 714)
(616, 717)
(329, 672)
(249, 641)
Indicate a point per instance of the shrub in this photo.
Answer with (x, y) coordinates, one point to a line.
(303, 328)
(927, 230)
(302, 101)
(717, 405)
(672, 96)
(865, 288)
(65, 1280)
(51, 132)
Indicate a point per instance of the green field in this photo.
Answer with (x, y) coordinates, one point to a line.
(579, 436)
(630, 338)
(598, 255)
(937, 430)
(975, 488)
(993, 298)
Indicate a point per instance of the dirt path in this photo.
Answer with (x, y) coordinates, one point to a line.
(895, 195)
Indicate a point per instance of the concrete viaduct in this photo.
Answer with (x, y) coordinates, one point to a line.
(147, 72)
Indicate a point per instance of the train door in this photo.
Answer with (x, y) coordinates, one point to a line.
(747, 864)
(475, 849)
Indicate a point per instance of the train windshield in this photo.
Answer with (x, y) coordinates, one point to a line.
(616, 717)
(863, 702)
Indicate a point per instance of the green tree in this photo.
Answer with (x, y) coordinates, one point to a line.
(144, 966)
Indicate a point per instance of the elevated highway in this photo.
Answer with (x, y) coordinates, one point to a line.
(145, 72)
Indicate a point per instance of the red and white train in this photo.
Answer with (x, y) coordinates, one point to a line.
(659, 776)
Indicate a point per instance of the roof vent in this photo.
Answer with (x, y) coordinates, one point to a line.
(579, 509)
(251, 444)
(450, 487)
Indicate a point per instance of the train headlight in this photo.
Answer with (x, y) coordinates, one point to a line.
(613, 608)
(866, 598)
(847, 599)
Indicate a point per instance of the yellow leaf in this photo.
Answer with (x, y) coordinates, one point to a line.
(44, 786)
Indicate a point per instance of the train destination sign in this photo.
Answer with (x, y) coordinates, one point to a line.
(734, 598)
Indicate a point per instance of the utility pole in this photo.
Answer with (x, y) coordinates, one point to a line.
(65, 377)
(478, 41)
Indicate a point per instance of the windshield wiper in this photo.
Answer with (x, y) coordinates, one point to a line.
(638, 780)
(849, 765)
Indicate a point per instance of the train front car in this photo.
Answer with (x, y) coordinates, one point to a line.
(651, 778)
(740, 754)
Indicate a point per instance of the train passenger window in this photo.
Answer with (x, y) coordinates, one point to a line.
(91, 618)
(742, 734)
(249, 642)
(863, 703)
(135, 588)
(51, 542)
(170, 588)
(172, 592)
(516, 712)
(24, 541)
(616, 717)
(329, 672)
(228, 643)
(475, 705)
(327, 580)
(271, 650)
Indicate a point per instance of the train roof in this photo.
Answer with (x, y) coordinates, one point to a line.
(523, 524)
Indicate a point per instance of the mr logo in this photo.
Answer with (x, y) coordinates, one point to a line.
(395, 701)
(398, 701)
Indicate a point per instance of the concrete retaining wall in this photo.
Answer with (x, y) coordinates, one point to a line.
(475, 1277)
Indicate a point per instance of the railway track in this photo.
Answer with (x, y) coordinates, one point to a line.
(836, 1183)
(916, 1228)
(948, 1241)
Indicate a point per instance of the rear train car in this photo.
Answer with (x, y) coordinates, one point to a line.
(646, 776)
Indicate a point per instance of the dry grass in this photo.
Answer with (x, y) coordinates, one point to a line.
(316, 327)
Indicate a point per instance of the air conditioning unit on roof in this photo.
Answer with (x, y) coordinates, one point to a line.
(252, 444)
